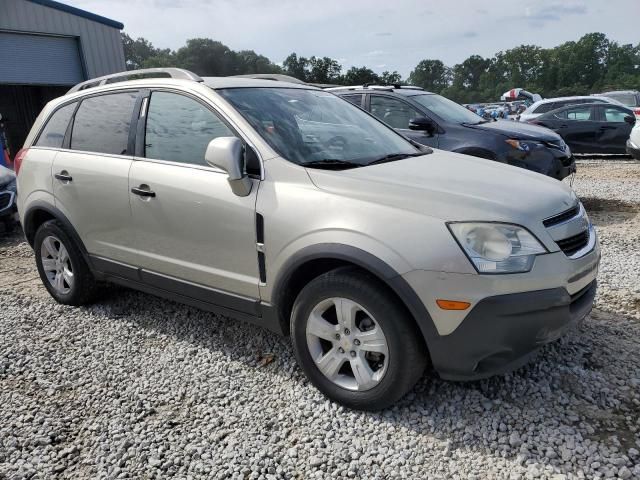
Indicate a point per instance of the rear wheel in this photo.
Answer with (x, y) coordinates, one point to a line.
(63, 270)
(354, 341)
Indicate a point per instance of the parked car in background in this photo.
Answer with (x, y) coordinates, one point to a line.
(633, 144)
(376, 256)
(628, 98)
(591, 127)
(548, 104)
(438, 122)
(8, 193)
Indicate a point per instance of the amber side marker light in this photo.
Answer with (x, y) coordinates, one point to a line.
(452, 304)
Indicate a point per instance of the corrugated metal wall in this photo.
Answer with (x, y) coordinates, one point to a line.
(100, 45)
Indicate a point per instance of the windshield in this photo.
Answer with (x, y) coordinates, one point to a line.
(312, 126)
(446, 109)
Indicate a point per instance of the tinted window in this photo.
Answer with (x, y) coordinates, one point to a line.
(395, 113)
(612, 114)
(446, 109)
(355, 99)
(180, 128)
(53, 133)
(102, 123)
(306, 126)
(576, 113)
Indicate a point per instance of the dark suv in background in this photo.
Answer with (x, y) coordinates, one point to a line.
(438, 122)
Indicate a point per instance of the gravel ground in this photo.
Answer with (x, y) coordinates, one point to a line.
(137, 387)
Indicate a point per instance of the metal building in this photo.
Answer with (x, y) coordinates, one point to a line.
(46, 47)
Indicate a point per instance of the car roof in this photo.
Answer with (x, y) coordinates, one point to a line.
(561, 99)
(622, 92)
(593, 104)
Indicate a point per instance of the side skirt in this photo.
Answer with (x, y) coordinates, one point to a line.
(205, 298)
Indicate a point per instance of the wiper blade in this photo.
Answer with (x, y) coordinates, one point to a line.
(332, 163)
(393, 157)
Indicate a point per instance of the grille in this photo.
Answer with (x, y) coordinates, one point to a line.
(572, 244)
(561, 217)
(5, 198)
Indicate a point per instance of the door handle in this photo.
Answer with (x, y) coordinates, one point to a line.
(607, 127)
(63, 176)
(143, 192)
(562, 126)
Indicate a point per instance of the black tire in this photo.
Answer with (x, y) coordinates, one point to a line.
(84, 285)
(407, 353)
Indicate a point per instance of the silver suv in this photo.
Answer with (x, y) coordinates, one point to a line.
(287, 206)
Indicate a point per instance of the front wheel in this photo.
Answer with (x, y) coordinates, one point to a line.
(354, 341)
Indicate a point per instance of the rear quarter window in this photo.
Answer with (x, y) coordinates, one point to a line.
(102, 123)
(52, 134)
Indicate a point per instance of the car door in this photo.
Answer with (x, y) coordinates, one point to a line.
(612, 132)
(576, 124)
(397, 114)
(193, 235)
(90, 183)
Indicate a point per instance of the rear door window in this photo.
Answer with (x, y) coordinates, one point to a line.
(102, 123)
(52, 134)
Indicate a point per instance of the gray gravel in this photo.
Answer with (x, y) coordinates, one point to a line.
(137, 387)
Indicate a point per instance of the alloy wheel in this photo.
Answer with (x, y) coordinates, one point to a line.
(347, 344)
(57, 264)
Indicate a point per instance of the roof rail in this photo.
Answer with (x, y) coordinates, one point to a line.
(367, 86)
(178, 73)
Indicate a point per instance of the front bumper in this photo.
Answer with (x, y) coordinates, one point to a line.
(510, 317)
(501, 333)
(633, 150)
(546, 160)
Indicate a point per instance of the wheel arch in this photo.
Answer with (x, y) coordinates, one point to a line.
(315, 260)
(40, 212)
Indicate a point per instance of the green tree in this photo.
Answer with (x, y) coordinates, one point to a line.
(137, 51)
(296, 66)
(324, 70)
(431, 75)
(359, 76)
(390, 78)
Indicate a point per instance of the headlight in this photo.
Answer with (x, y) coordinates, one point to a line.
(497, 247)
(522, 145)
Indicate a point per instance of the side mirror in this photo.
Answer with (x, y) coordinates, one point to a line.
(226, 154)
(630, 119)
(423, 124)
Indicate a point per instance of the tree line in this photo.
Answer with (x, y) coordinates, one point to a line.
(592, 64)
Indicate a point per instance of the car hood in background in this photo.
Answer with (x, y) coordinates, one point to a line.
(519, 130)
(453, 187)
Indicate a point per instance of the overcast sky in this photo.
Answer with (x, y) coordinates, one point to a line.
(395, 35)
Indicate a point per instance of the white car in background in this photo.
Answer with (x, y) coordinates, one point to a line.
(548, 104)
(633, 144)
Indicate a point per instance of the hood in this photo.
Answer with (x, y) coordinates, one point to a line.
(519, 130)
(453, 187)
